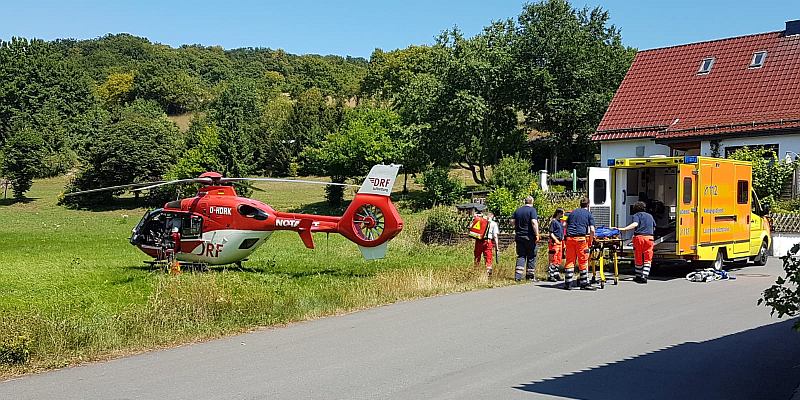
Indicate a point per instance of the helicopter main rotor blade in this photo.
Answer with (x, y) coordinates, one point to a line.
(190, 180)
(222, 180)
(130, 185)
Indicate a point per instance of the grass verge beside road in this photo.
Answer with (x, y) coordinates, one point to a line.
(73, 289)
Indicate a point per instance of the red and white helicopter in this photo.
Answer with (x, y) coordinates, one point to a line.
(218, 227)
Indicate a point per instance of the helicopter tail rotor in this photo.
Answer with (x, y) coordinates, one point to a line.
(371, 220)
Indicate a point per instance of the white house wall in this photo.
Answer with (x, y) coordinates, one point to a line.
(785, 143)
(627, 149)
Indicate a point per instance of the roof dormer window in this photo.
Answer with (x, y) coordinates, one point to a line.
(705, 66)
(758, 59)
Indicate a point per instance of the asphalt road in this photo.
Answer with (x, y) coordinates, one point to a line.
(669, 339)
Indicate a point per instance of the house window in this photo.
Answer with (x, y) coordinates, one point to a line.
(758, 59)
(705, 66)
(743, 192)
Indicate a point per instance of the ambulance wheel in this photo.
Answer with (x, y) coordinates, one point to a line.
(718, 262)
(763, 255)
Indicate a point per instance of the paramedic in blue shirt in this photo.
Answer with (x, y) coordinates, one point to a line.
(555, 246)
(580, 229)
(526, 229)
(643, 226)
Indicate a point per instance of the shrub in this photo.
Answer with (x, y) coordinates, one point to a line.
(15, 350)
(557, 189)
(563, 174)
(769, 172)
(502, 201)
(784, 297)
(442, 219)
(512, 173)
(440, 188)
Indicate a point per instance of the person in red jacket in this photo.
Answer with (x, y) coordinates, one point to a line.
(487, 245)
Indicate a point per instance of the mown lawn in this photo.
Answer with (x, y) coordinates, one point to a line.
(74, 290)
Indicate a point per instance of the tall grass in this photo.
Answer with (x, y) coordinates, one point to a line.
(72, 289)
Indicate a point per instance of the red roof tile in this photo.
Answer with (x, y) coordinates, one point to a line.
(663, 96)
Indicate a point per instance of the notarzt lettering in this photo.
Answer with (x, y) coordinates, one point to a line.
(287, 222)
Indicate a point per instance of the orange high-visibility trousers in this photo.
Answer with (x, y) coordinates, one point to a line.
(643, 249)
(578, 249)
(484, 247)
(555, 252)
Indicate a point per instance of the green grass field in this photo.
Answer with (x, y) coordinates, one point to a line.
(72, 285)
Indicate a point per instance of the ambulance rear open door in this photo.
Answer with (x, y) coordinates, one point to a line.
(687, 210)
(600, 195)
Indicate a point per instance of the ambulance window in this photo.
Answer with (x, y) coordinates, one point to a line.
(743, 192)
(687, 190)
(599, 191)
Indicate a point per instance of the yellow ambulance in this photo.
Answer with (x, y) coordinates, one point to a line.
(705, 209)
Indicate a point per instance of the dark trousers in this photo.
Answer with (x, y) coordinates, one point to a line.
(527, 250)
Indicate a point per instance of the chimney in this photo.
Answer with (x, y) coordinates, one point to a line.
(792, 28)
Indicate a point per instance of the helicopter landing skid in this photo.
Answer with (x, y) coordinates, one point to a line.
(165, 266)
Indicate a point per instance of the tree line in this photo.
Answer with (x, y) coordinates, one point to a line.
(535, 86)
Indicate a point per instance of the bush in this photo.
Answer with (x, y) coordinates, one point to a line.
(15, 350)
(439, 188)
(442, 219)
(512, 173)
(563, 174)
(502, 202)
(769, 172)
(784, 297)
(557, 189)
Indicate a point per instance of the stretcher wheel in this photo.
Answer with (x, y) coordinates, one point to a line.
(602, 284)
(616, 282)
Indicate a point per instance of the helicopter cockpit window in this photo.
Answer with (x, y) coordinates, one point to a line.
(191, 226)
(249, 211)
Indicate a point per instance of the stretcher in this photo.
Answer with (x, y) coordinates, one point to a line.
(601, 251)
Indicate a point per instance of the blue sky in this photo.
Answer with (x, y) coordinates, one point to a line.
(357, 27)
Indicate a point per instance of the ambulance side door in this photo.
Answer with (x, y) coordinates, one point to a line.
(704, 205)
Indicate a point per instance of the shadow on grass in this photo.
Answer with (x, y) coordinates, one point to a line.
(759, 363)
(24, 200)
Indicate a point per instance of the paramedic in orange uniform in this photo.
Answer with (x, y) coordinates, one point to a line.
(580, 229)
(643, 226)
(555, 246)
(485, 246)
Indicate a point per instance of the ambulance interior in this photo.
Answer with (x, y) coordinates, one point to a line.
(657, 188)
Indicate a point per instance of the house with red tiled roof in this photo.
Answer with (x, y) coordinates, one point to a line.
(708, 98)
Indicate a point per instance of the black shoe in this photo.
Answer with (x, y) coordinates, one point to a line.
(637, 279)
(489, 272)
(531, 278)
(568, 286)
(641, 280)
(552, 279)
(588, 287)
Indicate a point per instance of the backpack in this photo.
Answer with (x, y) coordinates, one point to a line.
(479, 228)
